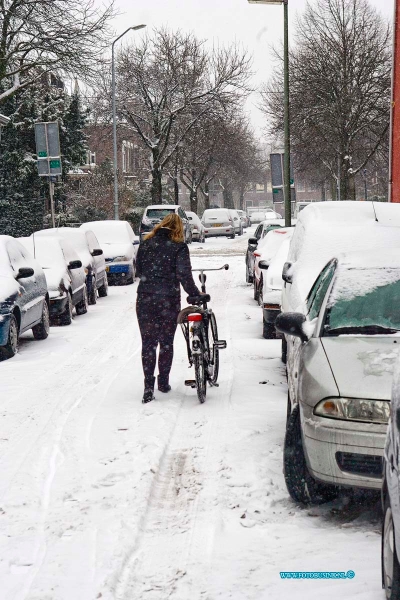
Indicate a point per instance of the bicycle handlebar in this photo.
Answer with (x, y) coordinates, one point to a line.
(226, 267)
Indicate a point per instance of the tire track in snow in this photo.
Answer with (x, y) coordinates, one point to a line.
(182, 513)
(59, 417)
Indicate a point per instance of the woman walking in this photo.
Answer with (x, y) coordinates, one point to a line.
(162, 264)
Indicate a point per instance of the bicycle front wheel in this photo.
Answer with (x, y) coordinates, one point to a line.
(200, 374)
(214, 351)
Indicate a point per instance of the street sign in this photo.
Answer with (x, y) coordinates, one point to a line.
(277, 169)
(48, 149)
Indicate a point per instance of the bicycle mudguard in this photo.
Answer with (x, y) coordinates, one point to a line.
(189, 310)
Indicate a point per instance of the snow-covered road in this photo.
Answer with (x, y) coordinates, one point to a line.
(103, 497)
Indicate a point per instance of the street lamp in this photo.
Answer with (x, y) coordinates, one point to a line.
(286, 167)
(114, 117)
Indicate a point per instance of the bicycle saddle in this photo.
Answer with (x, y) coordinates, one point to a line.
(189, 310)
(199, 299)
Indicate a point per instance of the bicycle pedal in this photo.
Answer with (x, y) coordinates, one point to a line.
(221, 344)
(190, 383)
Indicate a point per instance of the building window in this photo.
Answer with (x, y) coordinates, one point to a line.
(90, 158)
(128, 157)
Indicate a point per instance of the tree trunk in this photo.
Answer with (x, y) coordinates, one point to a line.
(193, 200)
(156, 186)
(241, 199)
(323, 191)
(206, 195)
(227, 195)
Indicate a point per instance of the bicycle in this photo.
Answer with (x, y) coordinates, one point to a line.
(199, 327)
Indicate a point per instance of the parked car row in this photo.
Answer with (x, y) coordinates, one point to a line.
(340, 327)
(223, 222)
(44, 278)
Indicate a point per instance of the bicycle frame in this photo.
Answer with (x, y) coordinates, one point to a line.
(200, 329)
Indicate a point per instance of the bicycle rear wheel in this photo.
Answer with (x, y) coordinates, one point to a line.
(200, 374)
(214, 351)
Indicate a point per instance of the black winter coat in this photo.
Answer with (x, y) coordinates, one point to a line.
(163, 265)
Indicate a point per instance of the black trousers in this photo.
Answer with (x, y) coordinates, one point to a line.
(157, 317)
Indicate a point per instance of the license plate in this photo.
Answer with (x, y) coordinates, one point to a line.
(216, 225)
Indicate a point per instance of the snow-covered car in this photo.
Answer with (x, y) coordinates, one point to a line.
(24, 299)
(197, 227)
(243, 218)
(299, 207)
(65, 276)
(271, 290)
(88, 249)
(257, 217)
(271, 214)
(218, 222)
(259, 234)
(264, 253)
(119, 245)
(345, 341)
(390, 546)
(155, 213)
(237, 221)
(322, 230)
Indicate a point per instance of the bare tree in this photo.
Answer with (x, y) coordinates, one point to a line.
(167, 83)
(340, 89)
(40, 36)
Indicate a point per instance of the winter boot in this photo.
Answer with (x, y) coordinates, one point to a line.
(148, 395)
(163, 384)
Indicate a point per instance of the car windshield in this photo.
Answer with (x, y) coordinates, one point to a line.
(370, 310)
(158, 213)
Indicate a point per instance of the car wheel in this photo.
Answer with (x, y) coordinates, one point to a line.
(11, 347)
(82, 306)
(389, 560)
(131, 279)
(260, 292)
(269, 331)
(232, 237)
(67, 316)
(255, 289)
(92, 296)
(103, 289)
(302, 487)
(284, 350)
(42, 329)
(248, 278)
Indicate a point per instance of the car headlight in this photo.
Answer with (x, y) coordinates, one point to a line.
(354, 409)
(120, 259)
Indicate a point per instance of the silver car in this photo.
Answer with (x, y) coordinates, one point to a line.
(341, 351)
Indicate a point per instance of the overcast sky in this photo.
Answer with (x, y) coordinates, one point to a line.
(224, 21)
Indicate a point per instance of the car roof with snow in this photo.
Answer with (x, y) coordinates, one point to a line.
(108, 231)
(76, 237)
(162, 206)
(326, 229)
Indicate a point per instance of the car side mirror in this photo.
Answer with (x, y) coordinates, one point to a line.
(398, 418)
(253, 241)
(25, 272)
(263, 264)
(75, 264)
(97, 252)
(136, 242)
(292, 324)
(287, 274)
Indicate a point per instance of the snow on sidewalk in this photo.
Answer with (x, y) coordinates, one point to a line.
(102, 497)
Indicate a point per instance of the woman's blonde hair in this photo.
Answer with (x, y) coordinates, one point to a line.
(173, 222)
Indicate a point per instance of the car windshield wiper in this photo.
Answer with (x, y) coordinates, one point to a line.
(366, 329)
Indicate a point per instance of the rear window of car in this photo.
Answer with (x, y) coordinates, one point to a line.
(222, 215)
(158, 213)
